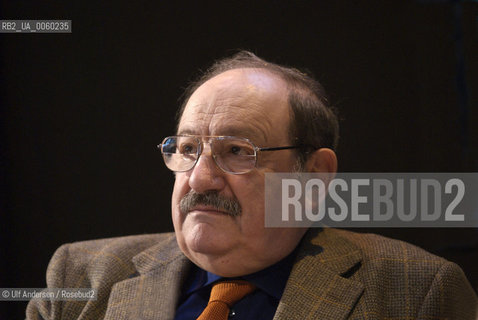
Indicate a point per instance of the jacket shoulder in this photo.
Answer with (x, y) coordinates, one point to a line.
(401, 277)
(92, 259)
(121, 245)
(97, 264)
(376, 247)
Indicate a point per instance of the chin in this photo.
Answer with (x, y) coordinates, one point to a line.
(205, 247)
(206, 240)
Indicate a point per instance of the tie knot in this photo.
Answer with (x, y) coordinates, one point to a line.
(230, 291)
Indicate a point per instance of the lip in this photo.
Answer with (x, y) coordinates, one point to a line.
(207, 209)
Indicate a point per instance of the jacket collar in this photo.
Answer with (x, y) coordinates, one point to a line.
(161, 254)
(153, 292)
(318, 286)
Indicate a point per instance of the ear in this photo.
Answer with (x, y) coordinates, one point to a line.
(323, 163)
(322, 160)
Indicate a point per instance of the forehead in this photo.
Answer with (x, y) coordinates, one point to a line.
(241, 102)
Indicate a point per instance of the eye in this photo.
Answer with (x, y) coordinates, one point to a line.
(240, 149)
(187, 148)
(236, 150)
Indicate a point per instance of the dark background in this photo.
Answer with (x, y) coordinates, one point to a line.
(81, 113)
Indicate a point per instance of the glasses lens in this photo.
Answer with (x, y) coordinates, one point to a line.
(180, 153)
(234, 155)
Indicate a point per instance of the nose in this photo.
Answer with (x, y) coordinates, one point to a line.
(206, 175)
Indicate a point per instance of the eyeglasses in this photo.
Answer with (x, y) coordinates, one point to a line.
(231, 154)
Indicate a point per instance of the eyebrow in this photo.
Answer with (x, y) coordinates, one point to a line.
(250, 133)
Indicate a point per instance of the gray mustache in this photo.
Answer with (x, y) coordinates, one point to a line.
(210, 198)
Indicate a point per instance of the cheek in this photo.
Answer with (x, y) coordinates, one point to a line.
(181, 187)
(251, 198)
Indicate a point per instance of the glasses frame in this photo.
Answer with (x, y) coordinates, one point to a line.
(200, 140)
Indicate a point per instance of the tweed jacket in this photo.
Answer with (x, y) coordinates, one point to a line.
(337, 275)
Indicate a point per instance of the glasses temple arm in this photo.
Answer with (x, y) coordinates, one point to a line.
(286, 147)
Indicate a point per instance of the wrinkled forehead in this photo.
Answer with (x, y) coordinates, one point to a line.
(237, 100)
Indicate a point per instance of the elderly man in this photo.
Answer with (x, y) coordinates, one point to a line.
(246, 117)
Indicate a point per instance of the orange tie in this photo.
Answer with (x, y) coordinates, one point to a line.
(224, 295)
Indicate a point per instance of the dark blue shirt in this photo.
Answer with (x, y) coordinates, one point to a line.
(261, 304)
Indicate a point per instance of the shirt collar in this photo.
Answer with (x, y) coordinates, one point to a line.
(271, 280)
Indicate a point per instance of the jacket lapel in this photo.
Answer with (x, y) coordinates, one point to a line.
(317, 287)
(153, 292)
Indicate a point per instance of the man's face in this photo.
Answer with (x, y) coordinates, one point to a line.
(245, 103)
